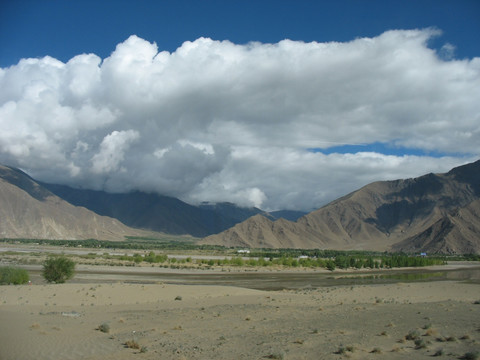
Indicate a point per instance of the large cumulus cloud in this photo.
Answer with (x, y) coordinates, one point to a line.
(217, 121)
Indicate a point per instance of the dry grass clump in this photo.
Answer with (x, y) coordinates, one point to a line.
(344, 349)
(276, 355)
(412, 335)
(420, 344)
(104, 327)
(396, 349)
(473, 355)
(132, 344)
(439, 352)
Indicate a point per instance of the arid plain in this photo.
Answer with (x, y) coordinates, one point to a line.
(125, 320)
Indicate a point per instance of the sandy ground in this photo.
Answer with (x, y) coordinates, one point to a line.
(219, 322)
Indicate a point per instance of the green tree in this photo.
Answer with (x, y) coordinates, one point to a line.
(330, 265)
(58, 269)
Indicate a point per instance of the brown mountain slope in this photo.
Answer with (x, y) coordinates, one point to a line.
(376, 217)
(458, 232)
(28, 210)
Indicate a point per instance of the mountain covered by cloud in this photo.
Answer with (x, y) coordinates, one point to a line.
(243, 123)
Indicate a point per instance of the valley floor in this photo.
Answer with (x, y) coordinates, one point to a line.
(220, 322)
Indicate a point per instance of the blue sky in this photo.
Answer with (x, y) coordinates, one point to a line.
(63, 29)
(208, 101)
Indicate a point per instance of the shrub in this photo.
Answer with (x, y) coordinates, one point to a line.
(474, 355)
(412, 335)
(10, 275)
(420, 344)
(58, 269)
(104, 328)
(439, 352)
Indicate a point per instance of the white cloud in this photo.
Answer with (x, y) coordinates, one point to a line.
(216, 121)
(112, 151)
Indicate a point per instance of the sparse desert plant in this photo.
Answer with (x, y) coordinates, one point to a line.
(420, 344)
(104, 327)
(341, 350)
(439, 352)
(376, 351)
(15, 276)
(276, 355)
(472, 355)
(58, 269)
(132, 344)
(430, 332)
(412, 335)
(395, 349)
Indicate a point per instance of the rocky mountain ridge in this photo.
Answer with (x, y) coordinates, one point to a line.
(434, 212)
(28, 210)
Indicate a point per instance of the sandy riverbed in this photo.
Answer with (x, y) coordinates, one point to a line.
(219, 322)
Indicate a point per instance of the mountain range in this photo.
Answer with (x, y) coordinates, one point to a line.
(20, 195)
(162, 213)
(437, 213)
(28, 210)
